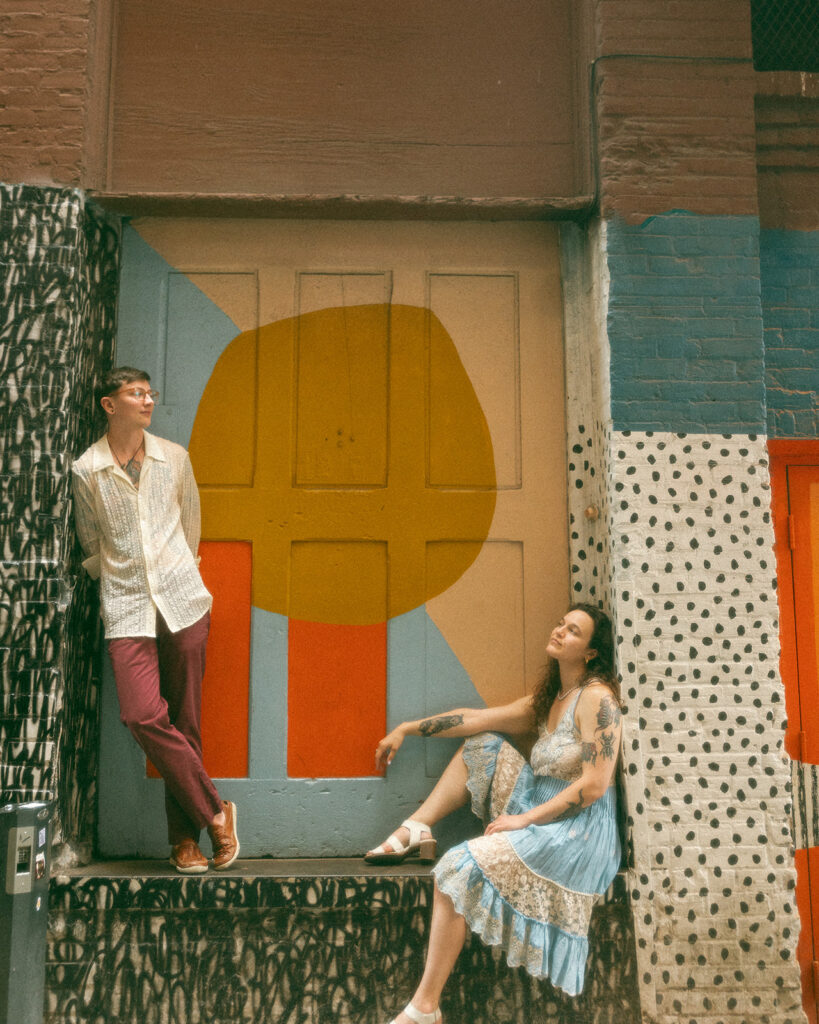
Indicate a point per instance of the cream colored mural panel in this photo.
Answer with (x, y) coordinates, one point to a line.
(482, 616)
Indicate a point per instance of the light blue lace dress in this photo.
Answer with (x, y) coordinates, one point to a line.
(531, 891)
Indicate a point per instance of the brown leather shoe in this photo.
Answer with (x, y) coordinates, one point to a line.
(188, 859)
(224, 838)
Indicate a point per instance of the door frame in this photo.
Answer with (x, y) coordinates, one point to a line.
(785, 453)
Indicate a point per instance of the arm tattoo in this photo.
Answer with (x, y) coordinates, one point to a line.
(608, 714)
(572, 809)
(607, 751)
(588, 753)
(432, 726)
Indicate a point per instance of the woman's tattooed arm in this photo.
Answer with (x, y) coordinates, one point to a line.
(608, 714)
(575, 807)
(432, 726)
(608, 717)
(588, 753)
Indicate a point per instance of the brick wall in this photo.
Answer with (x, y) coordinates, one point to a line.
(790, 301)
(44, 90)
(685, 324)
(59, 258)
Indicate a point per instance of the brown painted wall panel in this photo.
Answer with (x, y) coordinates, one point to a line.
(678, 135)
(688, 28)
(354, 97)
(787, 140)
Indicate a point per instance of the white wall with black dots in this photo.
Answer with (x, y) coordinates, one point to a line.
(671, 531)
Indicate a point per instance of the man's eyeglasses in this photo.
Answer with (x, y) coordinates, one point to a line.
(140, 393)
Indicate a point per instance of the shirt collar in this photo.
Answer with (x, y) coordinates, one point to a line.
(153, 449)
(103, 459)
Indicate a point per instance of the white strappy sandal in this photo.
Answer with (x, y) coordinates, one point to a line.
(420, 1018)
(393, 851)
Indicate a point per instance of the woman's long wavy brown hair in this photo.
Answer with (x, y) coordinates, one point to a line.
(600, 668)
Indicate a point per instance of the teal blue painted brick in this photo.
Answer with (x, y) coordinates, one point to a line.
(656, 285)
(787, 277)
(741, 391)
(795, 379)
(637, 391)
(686, 333)
(789, 262)
(800, 401)
(786, 317)
(662, 369)
(786, 358)
(717, 245)
(705, 264)
(807, 338)
(636, 265)
(717, 370)
(729, 348)
(773, 296)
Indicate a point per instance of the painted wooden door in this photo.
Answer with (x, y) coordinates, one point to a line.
(795, 475)
(375, 417)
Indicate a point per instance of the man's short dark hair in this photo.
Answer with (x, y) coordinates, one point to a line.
(116, 377)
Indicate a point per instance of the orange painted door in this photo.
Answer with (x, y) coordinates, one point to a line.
(795, 477)
(375, 416)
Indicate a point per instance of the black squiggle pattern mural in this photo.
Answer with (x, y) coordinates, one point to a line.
(59, 257)
(259, 950)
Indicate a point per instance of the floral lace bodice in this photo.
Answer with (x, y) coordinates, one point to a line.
(559, 753)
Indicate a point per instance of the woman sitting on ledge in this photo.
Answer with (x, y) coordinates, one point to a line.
(551, 846)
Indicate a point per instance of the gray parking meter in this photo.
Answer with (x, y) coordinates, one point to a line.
(25, 853)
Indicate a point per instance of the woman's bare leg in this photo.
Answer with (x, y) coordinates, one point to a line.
(449, 793)
(447, 933)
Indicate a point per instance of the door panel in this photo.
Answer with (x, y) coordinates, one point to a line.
(342, 380)
(484, 309)
(376, 412)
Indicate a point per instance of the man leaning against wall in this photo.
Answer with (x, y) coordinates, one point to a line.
(136, 509)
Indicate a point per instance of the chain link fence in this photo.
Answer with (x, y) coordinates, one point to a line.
(785, 35)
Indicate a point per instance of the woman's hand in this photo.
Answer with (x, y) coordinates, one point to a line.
(507, 823)
(388, 747)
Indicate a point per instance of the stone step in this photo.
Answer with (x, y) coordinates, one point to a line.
(293, 942)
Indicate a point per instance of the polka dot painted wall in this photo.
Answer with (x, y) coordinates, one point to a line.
(671, 531)
(694, 591)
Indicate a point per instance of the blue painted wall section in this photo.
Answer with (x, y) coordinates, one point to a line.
(685, 324)
(790, 309)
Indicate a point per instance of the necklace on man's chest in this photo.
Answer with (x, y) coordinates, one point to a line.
(133, 466)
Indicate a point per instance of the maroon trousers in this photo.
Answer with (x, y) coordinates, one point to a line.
(159, 684)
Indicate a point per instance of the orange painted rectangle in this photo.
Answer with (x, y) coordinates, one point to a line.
(337, 698)
(786, 455)
(226, 569)
(794, 479)
(807, 866)
(803, 493)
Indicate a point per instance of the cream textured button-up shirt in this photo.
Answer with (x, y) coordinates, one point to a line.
(141, 542)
